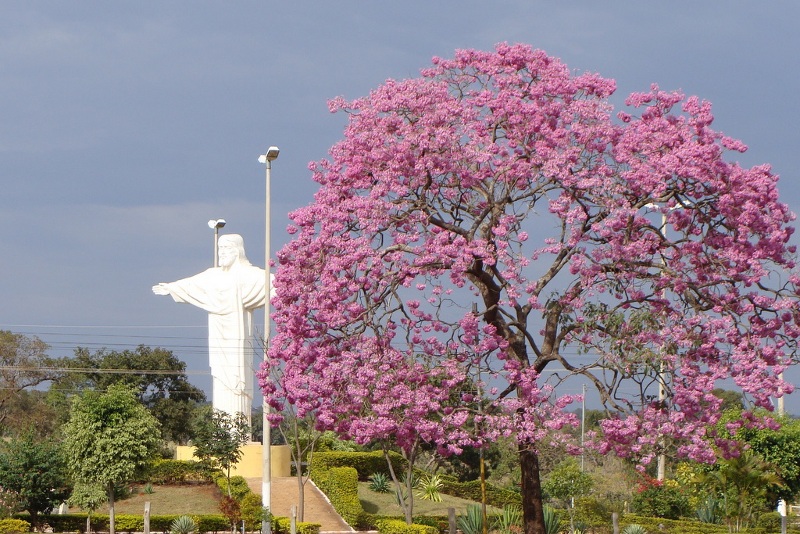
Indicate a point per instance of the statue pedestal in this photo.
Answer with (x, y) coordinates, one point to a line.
(251, 463)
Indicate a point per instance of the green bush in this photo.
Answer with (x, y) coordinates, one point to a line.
(124, 523)
(365, 463)
(283, 525)
(672, 526)
(398, 526)
(178, 472)
(340, 484)
(239, 487)
(210, 523)
(13, 526)
(495, 496)
(661, 501)
(252, 511)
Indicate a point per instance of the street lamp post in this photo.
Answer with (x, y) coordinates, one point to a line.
(216, 224)
(266, 474)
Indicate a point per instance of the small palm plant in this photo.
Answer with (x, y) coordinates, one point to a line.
(472, 521)
(552, 523)
(429, 488)
(379, 483)
(510, 521)
(183, 525)
(634, 529)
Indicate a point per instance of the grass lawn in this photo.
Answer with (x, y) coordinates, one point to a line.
(385, 504)
(191, 499)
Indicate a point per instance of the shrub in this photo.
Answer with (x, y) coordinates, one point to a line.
(495, 496)
(661, 500)
(429, 488)
(253, 511)
(398, 526)
(183, 525)
(13, 526)
(283, 525)
(179, 472)
(340, 484)
(379, 483)
(239, 487)
(472, 521)
(365, 463)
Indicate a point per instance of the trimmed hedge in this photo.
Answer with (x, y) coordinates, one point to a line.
(14, 526)
(133, 523)
(397, 526)
(340, 484)
(471, 490)
(239, 487)
(283, 525)
(177, 472)
(365, 463)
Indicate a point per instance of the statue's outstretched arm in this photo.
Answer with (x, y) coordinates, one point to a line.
(161, 289)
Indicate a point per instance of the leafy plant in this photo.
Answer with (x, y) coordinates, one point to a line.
(711, 511)
(183, 525)
(472, 521)
(379, 483)
(429, 488)
(634, 529)
(552, 523)
(510, 521)
(148, 489)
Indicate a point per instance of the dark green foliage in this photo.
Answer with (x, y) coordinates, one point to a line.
(34, 469)
(164, 472)
(165, 391)
(662, 525)
(219, 438)
(472, 490)
(661, 501)
(365, 463)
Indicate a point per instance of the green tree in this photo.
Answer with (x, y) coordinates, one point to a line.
(780, 448)
(157, 376)
(108, 438)
(219, 438)
(743, 484)
(24, 364)
(88, 497)
(567, 482)
(35, 471)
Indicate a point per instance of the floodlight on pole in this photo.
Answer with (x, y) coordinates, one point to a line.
(216, 224)
(266, 474)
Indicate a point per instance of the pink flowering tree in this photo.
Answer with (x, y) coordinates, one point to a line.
(494, 228)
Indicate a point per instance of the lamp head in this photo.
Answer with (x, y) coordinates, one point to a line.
(271, 155)
(216, 223)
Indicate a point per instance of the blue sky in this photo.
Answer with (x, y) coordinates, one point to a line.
(126, 126)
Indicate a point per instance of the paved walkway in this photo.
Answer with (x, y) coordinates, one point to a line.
(317, 508)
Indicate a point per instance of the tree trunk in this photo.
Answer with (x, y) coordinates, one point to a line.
(532, 506)
(301, 493)
(111, 528)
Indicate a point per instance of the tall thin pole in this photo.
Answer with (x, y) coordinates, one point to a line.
(661, 473)
(266, 475)
(216, 246)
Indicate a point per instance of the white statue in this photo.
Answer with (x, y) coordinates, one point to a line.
(229, 293)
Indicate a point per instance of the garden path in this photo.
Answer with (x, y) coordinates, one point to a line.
(317, 507)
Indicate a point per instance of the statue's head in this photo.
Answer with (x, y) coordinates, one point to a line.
(231, 250)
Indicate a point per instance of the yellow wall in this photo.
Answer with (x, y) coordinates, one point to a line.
(251, 462)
